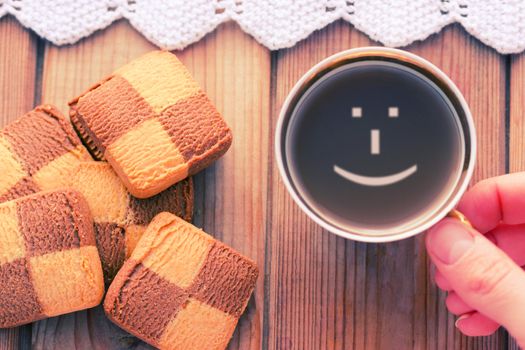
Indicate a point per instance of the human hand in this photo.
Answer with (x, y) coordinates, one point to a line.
(481, 267)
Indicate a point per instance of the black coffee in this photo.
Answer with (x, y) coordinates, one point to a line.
(374, 144)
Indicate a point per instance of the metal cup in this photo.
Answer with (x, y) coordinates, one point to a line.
(352, 107)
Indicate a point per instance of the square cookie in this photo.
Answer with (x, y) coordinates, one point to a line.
(37, 152)
(152, 123)
(49, 264)
(181, 288)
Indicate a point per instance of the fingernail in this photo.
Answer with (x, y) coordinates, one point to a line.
(449, 241)
(461, 318)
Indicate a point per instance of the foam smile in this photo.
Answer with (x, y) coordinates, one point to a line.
(375, 180)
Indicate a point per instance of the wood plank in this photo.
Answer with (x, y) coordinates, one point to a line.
(517, 114)
(516, 125)
(17, 69)
(327, 292)
(17, 77)
(230, 196)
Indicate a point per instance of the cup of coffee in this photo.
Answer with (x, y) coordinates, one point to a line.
(375, 144)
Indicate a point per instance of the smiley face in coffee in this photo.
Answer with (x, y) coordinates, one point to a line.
(374, 144)
(375, 148)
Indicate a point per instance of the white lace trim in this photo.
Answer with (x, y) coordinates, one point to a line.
(174, 24)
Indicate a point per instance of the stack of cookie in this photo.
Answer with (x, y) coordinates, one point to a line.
(113, 208)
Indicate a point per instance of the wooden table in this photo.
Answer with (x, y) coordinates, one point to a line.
(316, 291)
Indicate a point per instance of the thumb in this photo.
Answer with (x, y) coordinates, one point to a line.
(480, 273)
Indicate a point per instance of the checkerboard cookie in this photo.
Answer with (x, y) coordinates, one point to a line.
(181, 289)
(49, 264)
(37, 151)
(152, 123)
(120, 219)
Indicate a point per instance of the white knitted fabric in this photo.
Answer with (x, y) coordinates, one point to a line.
(174, 24)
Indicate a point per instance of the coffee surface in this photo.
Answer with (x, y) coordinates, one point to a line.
(374, 145)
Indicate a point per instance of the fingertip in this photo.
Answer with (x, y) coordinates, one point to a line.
(447, 241)
(442, 225)
(475, 324)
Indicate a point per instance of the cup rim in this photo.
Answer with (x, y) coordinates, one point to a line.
(470, 152)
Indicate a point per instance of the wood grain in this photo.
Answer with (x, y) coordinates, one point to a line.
(517, 113)
(329, 293)
(230, 196)
(516, 124)
(18, 50)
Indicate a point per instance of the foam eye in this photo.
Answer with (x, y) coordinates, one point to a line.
(357, 112)
(393, 112)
